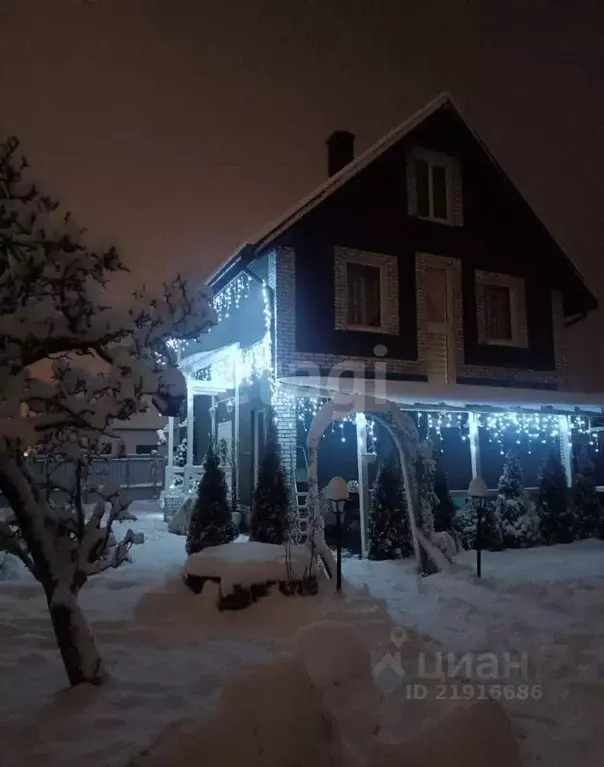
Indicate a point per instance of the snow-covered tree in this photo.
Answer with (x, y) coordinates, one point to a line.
(586, 506)
(464, 526)
(389, 533)
(180, 453)
(427, 500)
(513, 507)
(54, 307)
(444, 510)
(211, 522)
(555, 515)
(426, 495)
(273, 520)
(228, 460)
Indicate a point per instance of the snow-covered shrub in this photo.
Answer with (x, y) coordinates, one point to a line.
(180, 453)
(389, 533)
(446, 543)
(555, 516)
(585, 501)
(464, 525)
(211, 522)
(273, 520)
(53, 308)
(179, 524)
(513, 507)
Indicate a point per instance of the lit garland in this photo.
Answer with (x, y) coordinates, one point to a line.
(580, 425)
(228, 299)
(308, 407)
(253, 362)
(232, 295)
(436, 421)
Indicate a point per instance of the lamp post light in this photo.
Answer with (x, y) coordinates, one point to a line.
(337, 495)
(478, 493)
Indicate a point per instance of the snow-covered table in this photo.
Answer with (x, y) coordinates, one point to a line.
(247, 571)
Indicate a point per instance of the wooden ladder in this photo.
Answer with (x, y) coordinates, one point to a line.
(302, 491)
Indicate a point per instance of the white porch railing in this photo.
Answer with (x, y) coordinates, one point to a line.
(183, 479)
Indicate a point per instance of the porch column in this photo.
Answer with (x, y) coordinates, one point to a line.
(566, 449)
(190, 432)
(474, 435)
(236, 420)
(213, 418)
(362, 462)
(170, 461)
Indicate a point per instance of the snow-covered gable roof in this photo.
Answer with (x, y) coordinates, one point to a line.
(272, 230)
(277, 227)
(269, 233)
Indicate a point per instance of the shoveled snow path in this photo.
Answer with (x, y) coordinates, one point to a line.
(547, 603)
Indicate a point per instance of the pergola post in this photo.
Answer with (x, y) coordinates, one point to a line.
(190, 424)
(362, 462)
(474, 436)
(236, 419)
(566, 448)
(170, 462)
(168, 471)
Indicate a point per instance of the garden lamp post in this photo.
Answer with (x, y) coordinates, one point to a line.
(478, 493)
(337, 495)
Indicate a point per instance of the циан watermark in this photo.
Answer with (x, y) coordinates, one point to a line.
(459, 676)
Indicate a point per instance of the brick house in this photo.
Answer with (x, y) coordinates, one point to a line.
(416, 274)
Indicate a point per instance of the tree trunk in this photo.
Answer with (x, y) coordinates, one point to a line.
(74, 637)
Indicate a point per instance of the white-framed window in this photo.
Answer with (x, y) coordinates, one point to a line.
(434, 187)
(366, 291)
(501, 309)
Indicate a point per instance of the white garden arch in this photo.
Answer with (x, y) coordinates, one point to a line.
(405, 437)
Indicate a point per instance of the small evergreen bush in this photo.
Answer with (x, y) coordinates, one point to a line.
(273, 520)
(585, 502)
(389, 531)
(555, 516)
(211, 519)
(514, 509)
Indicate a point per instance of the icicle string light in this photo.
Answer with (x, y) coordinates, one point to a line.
(308, 407)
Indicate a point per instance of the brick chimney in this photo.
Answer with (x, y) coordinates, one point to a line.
(340, 150)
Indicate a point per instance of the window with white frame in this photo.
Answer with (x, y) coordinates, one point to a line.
(366, 292)
(364, 295)
(434, 187)
(501, 309)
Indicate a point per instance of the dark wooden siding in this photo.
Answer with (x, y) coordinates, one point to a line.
(499, 234)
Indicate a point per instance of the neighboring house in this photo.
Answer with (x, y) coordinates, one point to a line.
(416, 274)
(139, 435)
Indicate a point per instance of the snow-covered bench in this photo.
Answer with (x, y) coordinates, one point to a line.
(247, 571)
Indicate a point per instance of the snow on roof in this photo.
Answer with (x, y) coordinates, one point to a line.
(320, 193)
(428, 396)
(276, 227)
(334, 182)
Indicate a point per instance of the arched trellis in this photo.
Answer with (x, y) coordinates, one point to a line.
(404, 434)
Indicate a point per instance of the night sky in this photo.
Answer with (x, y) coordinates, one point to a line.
(177, 128)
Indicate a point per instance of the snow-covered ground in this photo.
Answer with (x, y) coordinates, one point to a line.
(170, 653)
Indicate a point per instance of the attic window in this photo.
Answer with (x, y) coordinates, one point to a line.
(433, 187)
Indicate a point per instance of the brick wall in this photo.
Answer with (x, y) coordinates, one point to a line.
(289, 362)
